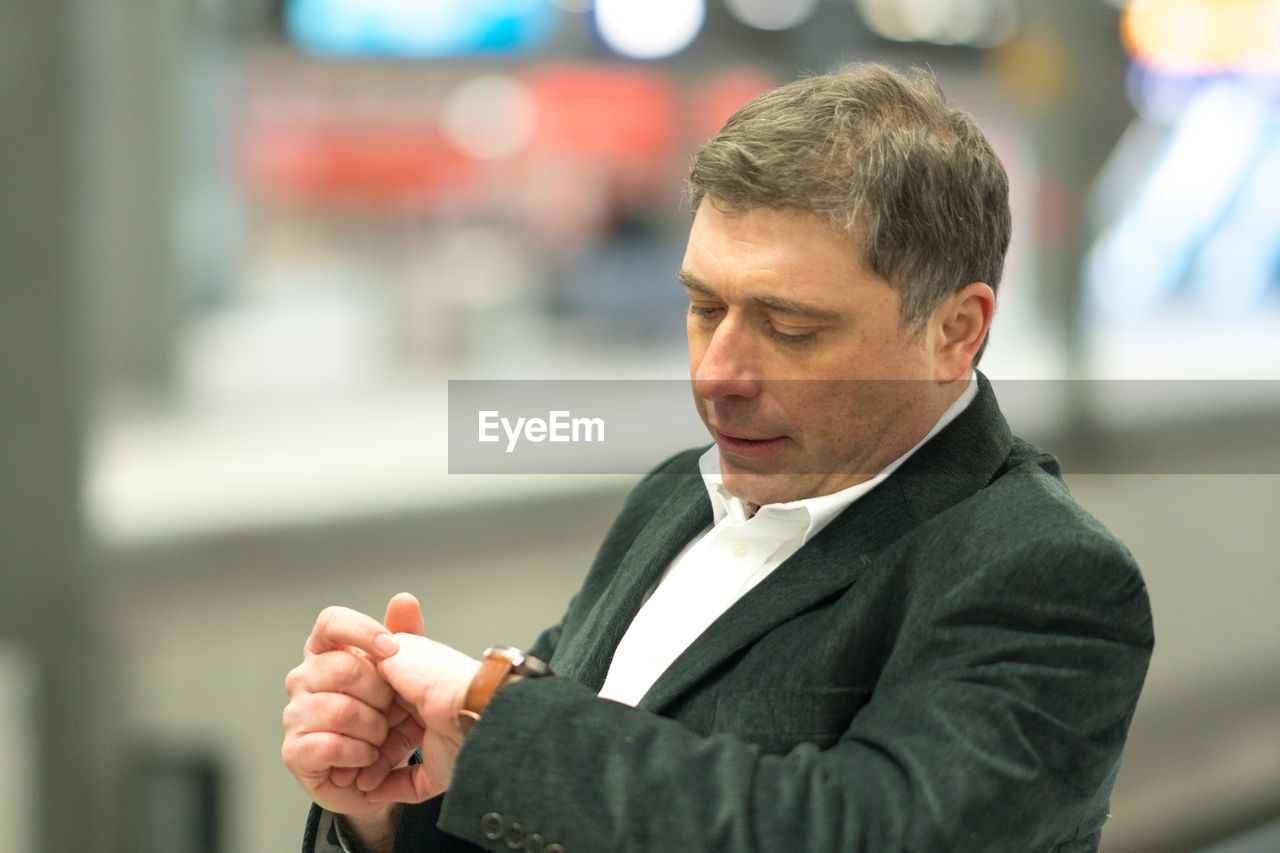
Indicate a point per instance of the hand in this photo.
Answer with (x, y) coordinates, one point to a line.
(431, 681)
(342, 716)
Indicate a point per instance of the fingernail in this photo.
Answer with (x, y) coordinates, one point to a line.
(385, 645)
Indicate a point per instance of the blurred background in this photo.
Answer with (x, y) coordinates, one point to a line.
(247, 243)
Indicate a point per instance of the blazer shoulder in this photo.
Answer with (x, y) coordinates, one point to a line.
(1029, 494)
(1026, 522)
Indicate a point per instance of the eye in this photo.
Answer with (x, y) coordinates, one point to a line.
(705, 312)
(791, 339)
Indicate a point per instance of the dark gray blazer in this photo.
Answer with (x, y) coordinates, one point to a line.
(950, 665)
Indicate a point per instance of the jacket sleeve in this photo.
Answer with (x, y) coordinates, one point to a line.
(996, 724)
(416, 832)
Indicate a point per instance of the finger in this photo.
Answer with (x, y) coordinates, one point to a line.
(404, 615)
(340, 672)
(412, 784)
(337, 627)
(341, 777)
(401, 741)
(313, 755)
(335, 713)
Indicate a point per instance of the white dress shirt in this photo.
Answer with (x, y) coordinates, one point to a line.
(726, 560)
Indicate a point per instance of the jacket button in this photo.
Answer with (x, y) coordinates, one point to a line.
(493, 825)
(535, 843)
(554, 848)
(514, 836)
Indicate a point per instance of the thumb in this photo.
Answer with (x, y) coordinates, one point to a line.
(404, 615)
(412, 784)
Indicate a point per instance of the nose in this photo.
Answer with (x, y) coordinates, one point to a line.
(727, 366)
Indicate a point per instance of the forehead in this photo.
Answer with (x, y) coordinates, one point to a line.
(762, 223)
(773, 248)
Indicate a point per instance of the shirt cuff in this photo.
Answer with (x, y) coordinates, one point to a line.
(329, 835)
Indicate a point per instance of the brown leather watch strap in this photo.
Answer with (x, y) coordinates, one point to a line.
(492, 674)
(501, 665)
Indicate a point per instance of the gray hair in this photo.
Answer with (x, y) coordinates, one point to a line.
(911, 179)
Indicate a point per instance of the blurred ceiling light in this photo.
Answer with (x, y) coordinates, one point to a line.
(649, 30)
(902, 20)
(975, 23)
(1204, 35)
(418, 28)
(771, 14)
(986, 23)
(489, 117)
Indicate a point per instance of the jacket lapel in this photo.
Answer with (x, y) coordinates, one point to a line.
(957, 462)
(684, 513)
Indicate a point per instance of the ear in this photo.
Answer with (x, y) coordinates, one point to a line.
(957, 329)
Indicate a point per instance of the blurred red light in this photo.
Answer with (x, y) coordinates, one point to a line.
(722, 96)
(603, 112)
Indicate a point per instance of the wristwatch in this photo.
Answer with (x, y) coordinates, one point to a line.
(501, 665)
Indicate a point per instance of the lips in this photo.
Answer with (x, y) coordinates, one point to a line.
(744, 446)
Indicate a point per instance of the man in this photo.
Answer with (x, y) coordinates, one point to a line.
(875, 621)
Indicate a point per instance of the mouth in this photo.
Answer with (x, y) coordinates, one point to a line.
(741, 445)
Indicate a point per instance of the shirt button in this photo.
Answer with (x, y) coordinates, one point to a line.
(739, 547)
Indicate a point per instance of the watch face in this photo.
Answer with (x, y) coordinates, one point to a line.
(521, 663)
(533, 667)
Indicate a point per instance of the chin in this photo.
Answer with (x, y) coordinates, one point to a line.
(761, 489)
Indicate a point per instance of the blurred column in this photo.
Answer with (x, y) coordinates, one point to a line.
(126, 58)
(56, 663)
(1067, 70)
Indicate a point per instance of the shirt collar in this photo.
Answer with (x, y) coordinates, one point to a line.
(812, 513)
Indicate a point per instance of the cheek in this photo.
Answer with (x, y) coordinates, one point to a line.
(811, 407)
(829, 412)
(695, 358)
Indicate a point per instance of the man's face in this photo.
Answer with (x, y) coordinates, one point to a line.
(782, 316)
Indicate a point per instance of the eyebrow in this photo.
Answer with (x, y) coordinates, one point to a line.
(772, 303)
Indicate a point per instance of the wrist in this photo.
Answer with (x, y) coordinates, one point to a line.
(370, 833)
(501, 666)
